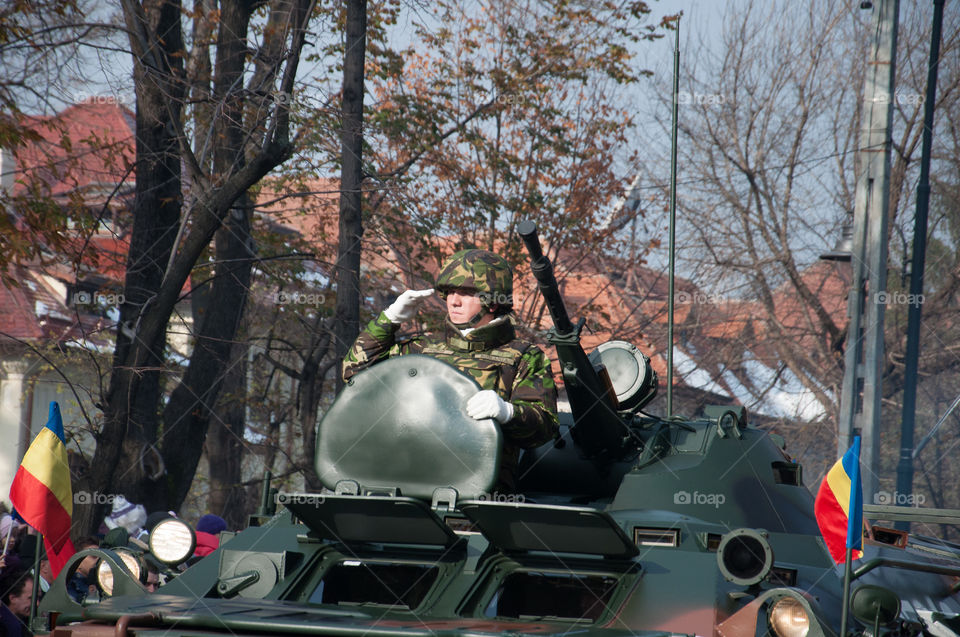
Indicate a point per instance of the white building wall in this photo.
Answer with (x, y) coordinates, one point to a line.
(24, 408)
(15, 403)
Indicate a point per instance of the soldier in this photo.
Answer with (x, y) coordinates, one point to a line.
(517, 388)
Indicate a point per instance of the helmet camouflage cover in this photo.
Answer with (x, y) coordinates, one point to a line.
(487, 273)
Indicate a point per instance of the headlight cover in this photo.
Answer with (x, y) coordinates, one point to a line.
(788, 618)
(172, 541)
(105, 572)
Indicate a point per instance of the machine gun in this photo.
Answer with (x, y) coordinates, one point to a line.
(598, 429)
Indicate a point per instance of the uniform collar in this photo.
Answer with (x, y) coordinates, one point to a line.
(498, 332)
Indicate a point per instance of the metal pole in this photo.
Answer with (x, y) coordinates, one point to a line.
(846, 593)
(914, 315)
(673, 218)
(860, 400)
(36, 580)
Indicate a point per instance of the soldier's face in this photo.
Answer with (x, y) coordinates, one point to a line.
(463, 305)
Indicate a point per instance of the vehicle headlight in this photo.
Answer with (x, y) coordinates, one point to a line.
(172, 541)
(105, 573)
(789, 618)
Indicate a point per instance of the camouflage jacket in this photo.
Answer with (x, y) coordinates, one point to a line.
(494, 356)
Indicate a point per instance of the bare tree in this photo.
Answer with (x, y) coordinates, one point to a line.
(149, 457)
(769, 127)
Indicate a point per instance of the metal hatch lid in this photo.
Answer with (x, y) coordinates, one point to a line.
(517, 527)
(402, 423)
(352, 519)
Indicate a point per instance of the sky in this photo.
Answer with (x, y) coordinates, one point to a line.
(106, 74)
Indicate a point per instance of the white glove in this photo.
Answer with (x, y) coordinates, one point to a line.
(487, 404)
(406, 305)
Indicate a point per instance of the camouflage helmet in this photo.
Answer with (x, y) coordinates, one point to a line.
(485, 272)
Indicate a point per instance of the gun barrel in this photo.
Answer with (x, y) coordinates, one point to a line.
(598, 429)
(543, 272)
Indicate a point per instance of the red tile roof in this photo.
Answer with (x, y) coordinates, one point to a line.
(38, 309)
(17, 312)
(87, 150)
(87, 147)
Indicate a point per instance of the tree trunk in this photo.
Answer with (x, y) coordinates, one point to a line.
(130, 409)
(347, 313)
(225, 448)
(187, 416)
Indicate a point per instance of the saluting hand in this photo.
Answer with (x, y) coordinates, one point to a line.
(406, 305)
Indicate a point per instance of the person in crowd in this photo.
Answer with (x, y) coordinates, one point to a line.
(209, 528)
(27, 549)
(125, 514)
(153, 578)
(8, 532)
(16, 594)
(81, 586)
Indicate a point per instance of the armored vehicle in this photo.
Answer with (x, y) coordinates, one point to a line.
(627, 524)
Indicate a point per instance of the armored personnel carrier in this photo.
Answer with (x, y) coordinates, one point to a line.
(628, 524)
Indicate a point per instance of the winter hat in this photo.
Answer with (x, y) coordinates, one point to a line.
(118, 537)
(28, 549)
(211, 524)
(7, 524)
(154, 519)
(129, 516)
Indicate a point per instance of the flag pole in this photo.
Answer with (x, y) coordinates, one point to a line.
(846, 592)
(36, 579)
(6, 542)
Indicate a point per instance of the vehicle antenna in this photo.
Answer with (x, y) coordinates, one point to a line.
(673, 217)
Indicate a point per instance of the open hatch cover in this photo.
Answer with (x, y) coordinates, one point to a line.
(351, 519)
(556, 529)
(402, 423)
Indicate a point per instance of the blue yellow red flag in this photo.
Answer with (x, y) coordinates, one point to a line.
(839, 506)
(41, 491)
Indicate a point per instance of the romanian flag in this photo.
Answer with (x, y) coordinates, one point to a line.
(41, 490)
(839, 506)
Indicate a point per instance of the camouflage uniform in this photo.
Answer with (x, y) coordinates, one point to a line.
(492, 354)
